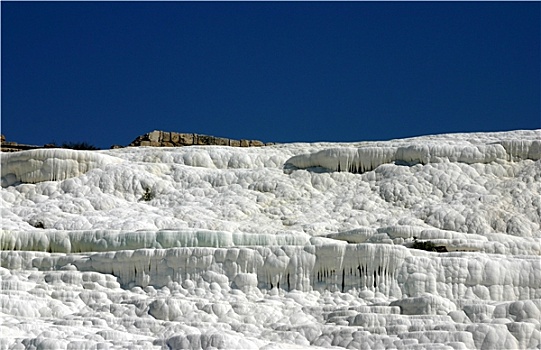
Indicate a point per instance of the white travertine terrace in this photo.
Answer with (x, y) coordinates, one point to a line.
(281, 247)
(49, 164)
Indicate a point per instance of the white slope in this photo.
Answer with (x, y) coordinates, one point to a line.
(281, 247)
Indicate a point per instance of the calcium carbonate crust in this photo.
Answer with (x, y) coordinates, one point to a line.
(288, 246)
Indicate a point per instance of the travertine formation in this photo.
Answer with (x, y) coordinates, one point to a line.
(424, 243)
(158, 138)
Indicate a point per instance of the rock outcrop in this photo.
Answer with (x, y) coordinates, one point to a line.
(155, 138)
(158, 138)
(10, 146)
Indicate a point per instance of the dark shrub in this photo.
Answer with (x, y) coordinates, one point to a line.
(79, 146)
(428, 246)
(147, 196)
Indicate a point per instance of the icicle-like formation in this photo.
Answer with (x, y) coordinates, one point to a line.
(355, 160)
(57, 241)
(469, 154)
(522, 149)
(323, 267)
(360, 160)
(393, 271)
(112, 240)
(50, 165)
(361, 266)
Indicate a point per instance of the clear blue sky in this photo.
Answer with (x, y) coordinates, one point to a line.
(106, 72)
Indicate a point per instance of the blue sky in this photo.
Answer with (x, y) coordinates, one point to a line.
(106, 72)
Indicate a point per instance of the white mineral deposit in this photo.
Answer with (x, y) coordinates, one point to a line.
(431, 242)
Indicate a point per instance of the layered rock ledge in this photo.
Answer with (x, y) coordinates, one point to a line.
(155, 138)
(159, 138)
(11, 146)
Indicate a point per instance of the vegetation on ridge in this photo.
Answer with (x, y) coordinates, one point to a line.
(74, 145)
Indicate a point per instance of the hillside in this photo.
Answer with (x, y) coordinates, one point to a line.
(431, 242)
